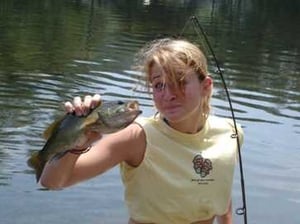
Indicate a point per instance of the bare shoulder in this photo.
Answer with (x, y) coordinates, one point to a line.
(132, 141)
(138, 144)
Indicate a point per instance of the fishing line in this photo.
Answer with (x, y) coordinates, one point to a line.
(199, 30)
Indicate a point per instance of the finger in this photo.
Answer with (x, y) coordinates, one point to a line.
(87, 104)
(69, 107)
(96, 99)
(93, 136)
(77, 103)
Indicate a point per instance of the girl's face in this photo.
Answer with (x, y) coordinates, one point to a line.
(182, 104)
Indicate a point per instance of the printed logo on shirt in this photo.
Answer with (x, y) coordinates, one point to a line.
(202, 166)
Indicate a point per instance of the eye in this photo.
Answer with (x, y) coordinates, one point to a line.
(159, 86)
(120, 102)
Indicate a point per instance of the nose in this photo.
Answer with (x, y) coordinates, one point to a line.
(169, 92)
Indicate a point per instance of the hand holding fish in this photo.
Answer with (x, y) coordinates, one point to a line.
(84, 123)
(83, 107)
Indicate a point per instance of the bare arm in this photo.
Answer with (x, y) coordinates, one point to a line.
(126, 145)
(227, 217)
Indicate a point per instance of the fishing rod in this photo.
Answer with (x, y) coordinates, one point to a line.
(197, 26)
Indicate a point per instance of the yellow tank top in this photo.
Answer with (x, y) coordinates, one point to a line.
(183, 178)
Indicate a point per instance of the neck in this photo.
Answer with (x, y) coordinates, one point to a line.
(188, 127)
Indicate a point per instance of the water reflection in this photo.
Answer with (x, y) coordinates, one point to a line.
(53, 50)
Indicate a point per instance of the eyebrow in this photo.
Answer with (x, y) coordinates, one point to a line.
(155, 76)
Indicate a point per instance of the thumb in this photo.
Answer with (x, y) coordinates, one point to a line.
(93, 136)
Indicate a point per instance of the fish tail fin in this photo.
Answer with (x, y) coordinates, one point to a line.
(37, 163)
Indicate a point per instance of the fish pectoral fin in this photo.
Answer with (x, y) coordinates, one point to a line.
(89, 120)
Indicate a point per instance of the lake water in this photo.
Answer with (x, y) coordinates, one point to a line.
(51, 51)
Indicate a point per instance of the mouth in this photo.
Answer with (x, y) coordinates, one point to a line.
(171, 107)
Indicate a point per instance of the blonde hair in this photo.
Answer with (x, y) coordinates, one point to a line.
(175, 57)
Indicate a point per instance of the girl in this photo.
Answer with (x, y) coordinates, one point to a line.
(177, 166)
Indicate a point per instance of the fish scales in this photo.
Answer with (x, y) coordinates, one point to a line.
(72, 132)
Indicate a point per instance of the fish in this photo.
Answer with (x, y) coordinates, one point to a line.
(71, 131)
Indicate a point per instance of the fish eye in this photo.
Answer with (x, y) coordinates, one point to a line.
(120, 102)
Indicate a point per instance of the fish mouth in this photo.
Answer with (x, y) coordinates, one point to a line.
(124, 113)
(134, 108)
(133, 105)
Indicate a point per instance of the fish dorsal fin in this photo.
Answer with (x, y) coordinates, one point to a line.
(49, 131)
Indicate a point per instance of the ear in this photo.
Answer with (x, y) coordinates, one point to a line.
(207, 86)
